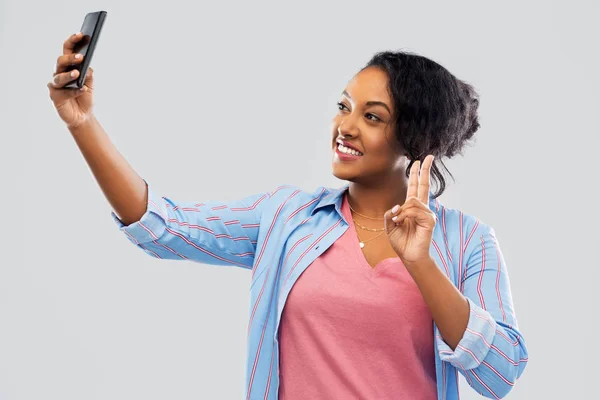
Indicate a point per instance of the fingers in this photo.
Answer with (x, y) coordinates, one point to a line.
(64, 72)
(59, 92)
(57, 89)
(415, 213)
(413, 208)
(419, 178)
(391, 216)
(411, 204)
(66, 62)
(423, 191)
(413, 180)
(61, 79)
(70, 43)
(68, 93)
(388, 223)
(59, 96)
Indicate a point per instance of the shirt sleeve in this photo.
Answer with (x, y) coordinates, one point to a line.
(212, 232)
(492, 353)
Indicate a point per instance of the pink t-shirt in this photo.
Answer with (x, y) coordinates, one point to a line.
(350, 331)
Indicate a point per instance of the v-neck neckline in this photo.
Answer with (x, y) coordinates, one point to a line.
(360, 257)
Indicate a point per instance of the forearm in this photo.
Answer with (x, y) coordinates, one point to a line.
(448, 306)
(124, 189)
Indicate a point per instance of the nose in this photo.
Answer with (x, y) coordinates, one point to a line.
(347, 128)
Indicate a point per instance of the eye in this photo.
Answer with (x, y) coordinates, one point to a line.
(375, 117)
(342, 106)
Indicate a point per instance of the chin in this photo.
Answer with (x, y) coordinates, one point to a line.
(343, 172)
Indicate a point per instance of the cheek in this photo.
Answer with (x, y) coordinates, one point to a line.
(376, 143)
(389, 144)
(381, 150)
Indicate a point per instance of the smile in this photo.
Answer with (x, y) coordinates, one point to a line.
(344, 153)
(348, 151)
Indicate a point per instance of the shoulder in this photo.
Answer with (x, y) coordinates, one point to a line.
(282, 192)
(460, 226)
(294, 195)
(287, 190)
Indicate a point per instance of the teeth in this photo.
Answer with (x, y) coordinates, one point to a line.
(347, 150)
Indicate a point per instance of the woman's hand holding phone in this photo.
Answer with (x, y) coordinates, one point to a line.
(71, 91)
(74, 106)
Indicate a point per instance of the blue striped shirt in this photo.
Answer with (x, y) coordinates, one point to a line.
(277, 235)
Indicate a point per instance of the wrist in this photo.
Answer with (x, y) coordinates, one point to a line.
(83, 125)
(424, 263)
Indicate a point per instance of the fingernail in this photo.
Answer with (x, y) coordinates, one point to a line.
(78, 56)
(73, 73)
(395, 209)
(395, 218)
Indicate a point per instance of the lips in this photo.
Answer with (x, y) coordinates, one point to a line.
(350, 146)
(346, 152)
(342, 156)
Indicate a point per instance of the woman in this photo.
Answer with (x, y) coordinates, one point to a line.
(402, 293)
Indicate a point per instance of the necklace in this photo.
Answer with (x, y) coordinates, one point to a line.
(364, 216)
(363, 242)
(368, 229)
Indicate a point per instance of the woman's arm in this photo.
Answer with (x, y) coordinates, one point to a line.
(124, 189)
(474, 315)
(448, 306)
(491, 354)
(213, 232)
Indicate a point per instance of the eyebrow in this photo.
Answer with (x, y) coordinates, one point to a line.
(370, 103)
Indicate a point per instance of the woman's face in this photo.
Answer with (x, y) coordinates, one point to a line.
(365, 128)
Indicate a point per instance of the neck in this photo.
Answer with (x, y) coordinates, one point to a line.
(374, 200)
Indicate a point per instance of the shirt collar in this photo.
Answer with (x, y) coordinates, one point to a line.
(336, 196)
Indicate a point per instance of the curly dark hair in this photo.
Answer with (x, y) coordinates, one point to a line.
(436, 113)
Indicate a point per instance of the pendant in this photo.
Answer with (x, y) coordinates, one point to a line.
(362, 245)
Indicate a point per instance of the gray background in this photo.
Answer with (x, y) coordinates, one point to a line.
(224, 99)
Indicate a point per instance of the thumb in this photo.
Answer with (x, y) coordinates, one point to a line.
(89, 78)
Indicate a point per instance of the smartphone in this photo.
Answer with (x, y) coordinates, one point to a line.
(91, 28)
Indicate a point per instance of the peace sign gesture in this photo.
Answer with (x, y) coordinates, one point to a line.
(410, 227)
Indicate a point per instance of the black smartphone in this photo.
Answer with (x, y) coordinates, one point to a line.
(91, 28)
